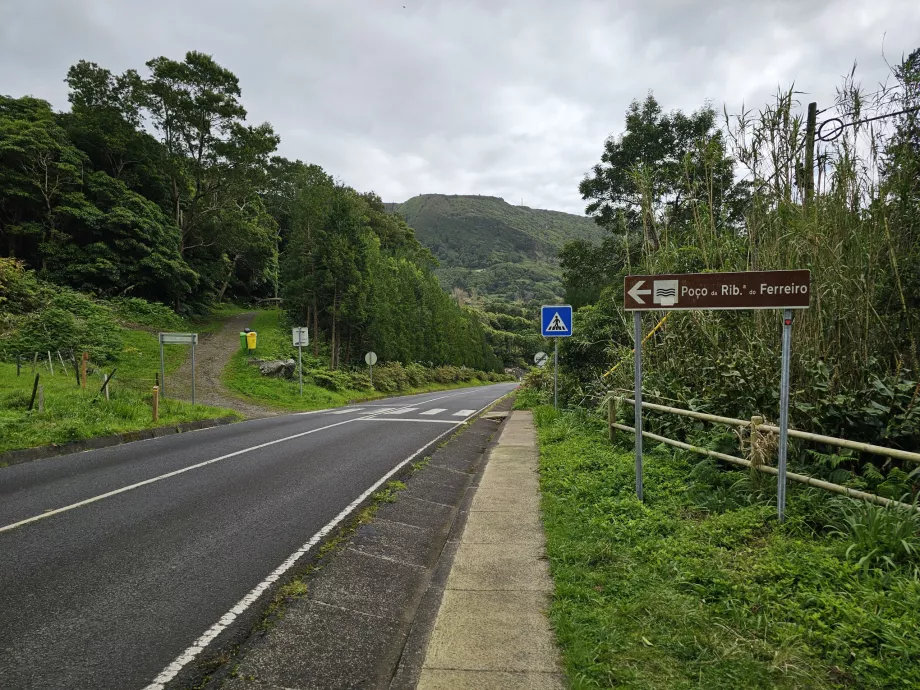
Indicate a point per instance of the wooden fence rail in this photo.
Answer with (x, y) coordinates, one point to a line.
(766, 469)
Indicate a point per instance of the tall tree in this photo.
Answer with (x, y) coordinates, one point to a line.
(648, 178)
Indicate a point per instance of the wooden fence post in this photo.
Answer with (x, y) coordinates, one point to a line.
(156, 403)
(34, 392)
(41, 398)
(83, 370)
(611, 418)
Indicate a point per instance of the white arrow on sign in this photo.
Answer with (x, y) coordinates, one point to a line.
(634, 292)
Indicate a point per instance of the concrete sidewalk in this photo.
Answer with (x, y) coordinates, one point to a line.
(491, 630)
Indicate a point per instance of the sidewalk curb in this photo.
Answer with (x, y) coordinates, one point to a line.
(491, 628)
(16, 457)
(409, 669)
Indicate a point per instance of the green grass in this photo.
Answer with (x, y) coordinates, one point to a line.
(274, 342)
(692, 590)
(72, 414)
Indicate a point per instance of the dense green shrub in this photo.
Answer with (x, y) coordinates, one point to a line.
(139, 311)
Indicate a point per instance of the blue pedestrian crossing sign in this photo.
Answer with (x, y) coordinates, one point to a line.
(556, 320)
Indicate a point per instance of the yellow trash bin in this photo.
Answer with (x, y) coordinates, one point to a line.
(251, 340)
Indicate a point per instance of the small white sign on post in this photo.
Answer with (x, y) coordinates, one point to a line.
(371, 359)
(301, 337)
(176, 339)
(540, 359)
(179, 338)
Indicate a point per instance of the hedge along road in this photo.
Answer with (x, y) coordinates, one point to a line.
(119, 565)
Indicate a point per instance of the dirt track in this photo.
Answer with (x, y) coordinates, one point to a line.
(212, 354)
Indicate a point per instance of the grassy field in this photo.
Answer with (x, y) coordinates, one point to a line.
(699, 587)
(245, 381)
(73, 414)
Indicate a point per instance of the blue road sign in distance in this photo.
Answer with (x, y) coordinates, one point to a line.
(556, 320)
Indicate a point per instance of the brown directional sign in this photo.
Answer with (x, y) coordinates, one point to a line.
(747, 290)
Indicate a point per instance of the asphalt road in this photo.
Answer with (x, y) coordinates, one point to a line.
(116, 563)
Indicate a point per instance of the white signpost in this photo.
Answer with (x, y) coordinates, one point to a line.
(176, 339)
(371, 359)
(301, 337)
(540, 359)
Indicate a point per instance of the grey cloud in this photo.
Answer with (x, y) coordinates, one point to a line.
(510, 98)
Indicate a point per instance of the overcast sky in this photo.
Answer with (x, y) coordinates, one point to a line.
(511, 98)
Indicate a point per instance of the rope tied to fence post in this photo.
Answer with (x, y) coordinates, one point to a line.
(633, 351)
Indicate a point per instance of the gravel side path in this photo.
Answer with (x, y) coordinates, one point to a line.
(212, 354)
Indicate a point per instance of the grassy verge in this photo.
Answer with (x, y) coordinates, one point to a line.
(72, 414)
(247, 383)
(699, 587)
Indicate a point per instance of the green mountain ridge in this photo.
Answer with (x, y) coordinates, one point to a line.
(486, 245)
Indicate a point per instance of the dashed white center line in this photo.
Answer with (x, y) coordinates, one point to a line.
(464, 413)
(435, 410)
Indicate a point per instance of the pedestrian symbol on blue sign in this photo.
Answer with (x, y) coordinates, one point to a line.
(557, 321)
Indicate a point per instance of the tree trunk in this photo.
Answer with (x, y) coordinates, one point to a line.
(223, 288)
(315, 328)
(348, 347)
(332, 357)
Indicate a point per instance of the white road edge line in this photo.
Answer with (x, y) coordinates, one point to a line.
(131, 487)
(405, 419)
(171, 671)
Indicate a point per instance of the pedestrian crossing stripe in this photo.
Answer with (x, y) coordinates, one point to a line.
(435, 410)
(556, 325)
(464, 413)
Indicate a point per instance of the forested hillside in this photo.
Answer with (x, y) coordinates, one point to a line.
(486, 245)
(155, 186)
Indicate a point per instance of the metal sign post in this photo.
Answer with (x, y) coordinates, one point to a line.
(637, 331)
(784, 415)
(371, 359)
(556, 322)
(177, 339)
(556, 377)
(193, 370)
(786, 290)
(300, 337)
(162, 369)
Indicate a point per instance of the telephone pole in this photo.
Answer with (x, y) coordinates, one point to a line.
(810, 126)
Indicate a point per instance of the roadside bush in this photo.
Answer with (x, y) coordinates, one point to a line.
(417, 375)
(139, 311)
(390, 377)
(20, 290)
(38, 317)
(331, 380)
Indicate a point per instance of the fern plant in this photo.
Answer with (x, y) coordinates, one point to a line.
(880, 537)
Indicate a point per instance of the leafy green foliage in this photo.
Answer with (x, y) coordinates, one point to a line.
(358, 276)
(880, 537)
(71, 413)
(662, 594)
(666, 192)
(329, 388)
